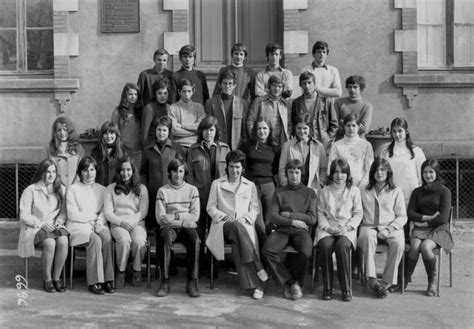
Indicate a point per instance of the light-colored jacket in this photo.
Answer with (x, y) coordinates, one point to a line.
(334, 213)
(67, 165)
(36, 208)
(318, 162)
(391, 208)
(85, 207)
(224, 201)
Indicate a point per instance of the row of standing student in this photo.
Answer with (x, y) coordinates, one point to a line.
(60, 128)
(247, 95)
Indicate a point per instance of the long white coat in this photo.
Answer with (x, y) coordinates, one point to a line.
(224, 201)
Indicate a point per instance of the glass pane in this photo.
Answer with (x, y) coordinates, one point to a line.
(39, 13)
(464, 11)
(40, 49)
(8, 50)
(8, 13)
(430, 11)
(431, 47)
(464, 45)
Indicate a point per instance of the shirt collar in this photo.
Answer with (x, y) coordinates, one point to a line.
(323, 66)
(267, 69)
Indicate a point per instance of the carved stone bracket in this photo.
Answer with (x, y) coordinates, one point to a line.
(62, 97)
(410, 93)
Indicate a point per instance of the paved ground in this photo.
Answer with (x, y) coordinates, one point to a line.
(228, 306)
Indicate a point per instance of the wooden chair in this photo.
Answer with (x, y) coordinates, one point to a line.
(38, 253)
(227, 250)
(72, 256)
(315, 266)
(382, 248)
(438, 251)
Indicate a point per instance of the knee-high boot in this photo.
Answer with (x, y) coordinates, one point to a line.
(430, 266)
(409, 269)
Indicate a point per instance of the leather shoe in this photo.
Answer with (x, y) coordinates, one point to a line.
(109, 287)
(346, 296)
(59, 286)
(192, 289)
(96, 289)
(164, 289)
(327, 294)
(49, 286)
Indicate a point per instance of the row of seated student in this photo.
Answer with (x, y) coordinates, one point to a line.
(215, 188)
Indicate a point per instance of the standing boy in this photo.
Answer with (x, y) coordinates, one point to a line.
(324, 123)
(354, 104)
(274, 54)
(328, 81)
(147, 78)
(229, 109)
(244, 76)
(187, 56)
(275, 108)
(185, 115)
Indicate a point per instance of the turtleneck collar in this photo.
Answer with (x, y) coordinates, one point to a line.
(294, 187)
(351, 139)
(226, 97)
(177, 186)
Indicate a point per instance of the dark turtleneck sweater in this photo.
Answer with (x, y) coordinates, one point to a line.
(299, 201)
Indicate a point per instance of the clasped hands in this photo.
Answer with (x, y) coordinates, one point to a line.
(337, 230)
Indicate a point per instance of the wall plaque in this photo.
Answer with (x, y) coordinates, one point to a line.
(120, 16)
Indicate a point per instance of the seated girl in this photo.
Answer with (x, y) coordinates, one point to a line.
(42, 218)
(88, 227)
(339, 216)
(125, 207)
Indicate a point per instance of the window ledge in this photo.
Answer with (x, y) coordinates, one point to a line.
(411, 82)
(39, 85)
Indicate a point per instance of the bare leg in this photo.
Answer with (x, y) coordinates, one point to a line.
(48, 246)
(60, 256)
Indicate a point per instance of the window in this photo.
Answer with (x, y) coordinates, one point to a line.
(445, 34)
(26, 36)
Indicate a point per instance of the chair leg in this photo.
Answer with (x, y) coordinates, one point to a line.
(71, 267)
(313, 270)
(363, 275)
(26, 271)
(64, 275)
(211, 286)
(439, 271)
(148, 264)
(113, 261)
(403, 273)
(350, 266)
(450, 269)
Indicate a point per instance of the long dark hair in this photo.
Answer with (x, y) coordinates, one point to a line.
(72, 139)
(377, 163)
(206, 123)
(40, 175)
(270, 139)
(346, 169)
(133, 185)
(117, 148)
(124, 105)
(404, 124)
(436, 167)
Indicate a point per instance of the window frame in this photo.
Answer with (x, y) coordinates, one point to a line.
(22, 45)
(449, 48)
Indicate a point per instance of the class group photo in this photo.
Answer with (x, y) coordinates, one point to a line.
(264, 163)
